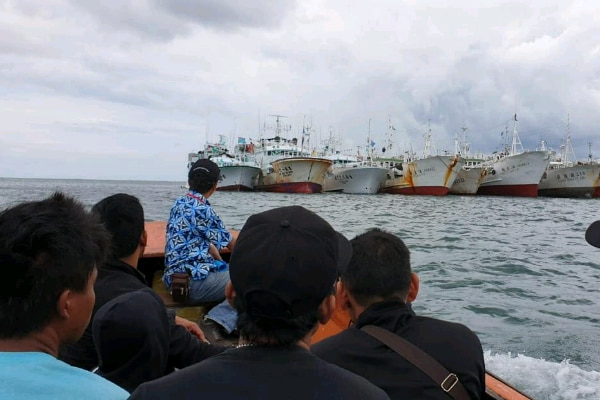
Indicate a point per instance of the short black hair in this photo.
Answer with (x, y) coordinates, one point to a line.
(46, 247)
(123, 217)
(379, 267)
(273, 331)
(200, 183)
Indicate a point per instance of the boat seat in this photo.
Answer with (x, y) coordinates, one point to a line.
(192, 313)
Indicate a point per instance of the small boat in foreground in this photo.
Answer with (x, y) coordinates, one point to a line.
(152, 264)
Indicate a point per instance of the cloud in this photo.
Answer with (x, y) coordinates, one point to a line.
(153, 80)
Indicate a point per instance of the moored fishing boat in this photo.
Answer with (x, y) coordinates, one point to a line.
(566, 177)
(470, 176)
(239, 171)
(153, 261)
(514, 172)
(288, 167)
(351, 174)
(430, 175)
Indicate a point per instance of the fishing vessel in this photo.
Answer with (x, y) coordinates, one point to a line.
(239, 171)
(566, 177)
(514, 172)
(288, 166)
(470, 176)
(152, 263)
(429, 175)
(352, 174)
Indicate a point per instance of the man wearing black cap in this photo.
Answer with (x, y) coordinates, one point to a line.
(592, 234)
(283, 270)
(193, 230)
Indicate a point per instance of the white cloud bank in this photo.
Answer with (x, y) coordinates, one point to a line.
(124, 90)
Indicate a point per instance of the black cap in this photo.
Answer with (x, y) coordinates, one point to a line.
(206, 167)
(291, 254)
(592, 235)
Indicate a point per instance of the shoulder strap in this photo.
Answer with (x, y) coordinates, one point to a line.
(448, 381)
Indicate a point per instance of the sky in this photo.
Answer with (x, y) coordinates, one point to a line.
(126, 89)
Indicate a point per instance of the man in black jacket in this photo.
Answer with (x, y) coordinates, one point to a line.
(377, 288)
(123, 216)
(592, 234)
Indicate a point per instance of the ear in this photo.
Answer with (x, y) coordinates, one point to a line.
(63, 305)
(326, 309)
(230, 294)
(342, 296)
(144, 239)
(413, 290)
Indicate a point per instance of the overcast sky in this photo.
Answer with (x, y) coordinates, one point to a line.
(125, 89)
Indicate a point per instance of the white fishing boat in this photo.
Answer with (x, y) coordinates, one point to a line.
(239, 171)
(352, 174)
(287, 166)
(566, 177)
(470, 176)
(429, 175)
(514, 172)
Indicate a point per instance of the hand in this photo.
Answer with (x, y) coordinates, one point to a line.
(192, 327)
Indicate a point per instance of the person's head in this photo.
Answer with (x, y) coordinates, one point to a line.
(378, 271)
(283, 270)
(203, 175)
(49, 250)
(123, 217)
(592, 234)
(131, 335)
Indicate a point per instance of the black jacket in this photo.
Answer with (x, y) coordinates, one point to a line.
(453, 345)
(114, 279)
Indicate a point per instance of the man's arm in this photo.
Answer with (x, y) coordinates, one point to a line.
(186, 349)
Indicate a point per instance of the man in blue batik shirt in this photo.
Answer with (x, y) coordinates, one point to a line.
(195, 233)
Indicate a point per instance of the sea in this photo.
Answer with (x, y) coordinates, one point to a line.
(517, 271)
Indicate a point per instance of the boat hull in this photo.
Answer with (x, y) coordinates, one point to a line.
(514, 175)
(572, 181)
(238, 178)
(355, 180)
(295, 175)
(468, 180)
(428, 176)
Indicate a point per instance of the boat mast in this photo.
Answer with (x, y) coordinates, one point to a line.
(569, 147)
(428, 141)
(517, 146)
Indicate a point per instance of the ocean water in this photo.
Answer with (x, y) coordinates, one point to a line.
(517, 271)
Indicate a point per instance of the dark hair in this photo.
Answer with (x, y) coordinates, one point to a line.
(200, 183)
(272, 331)
(123, 217)
(46, 247)
(379, 267)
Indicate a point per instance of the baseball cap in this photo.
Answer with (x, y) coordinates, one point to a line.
(206, 167)
(592, 234)
(285, 262)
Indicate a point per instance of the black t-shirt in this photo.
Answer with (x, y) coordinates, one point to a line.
(261, 373)
(453, 345)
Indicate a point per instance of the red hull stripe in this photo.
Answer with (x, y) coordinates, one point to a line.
(293, 187)
(235, 188)
(530, 190)
(419, 190)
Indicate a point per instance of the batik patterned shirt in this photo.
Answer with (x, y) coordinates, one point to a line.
(192, 226)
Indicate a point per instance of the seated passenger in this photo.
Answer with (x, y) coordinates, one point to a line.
(49, 250)
(377, 288)
(195, 233)
(131, 335)
(282, 270)
(123, 216)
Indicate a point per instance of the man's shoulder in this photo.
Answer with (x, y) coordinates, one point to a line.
(449, 329)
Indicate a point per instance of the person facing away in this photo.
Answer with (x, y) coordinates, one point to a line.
(131, 335)
(195, 233)
(377, 288)
(592, 234)
(49, 250)
(123, 217)
(282, 270)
